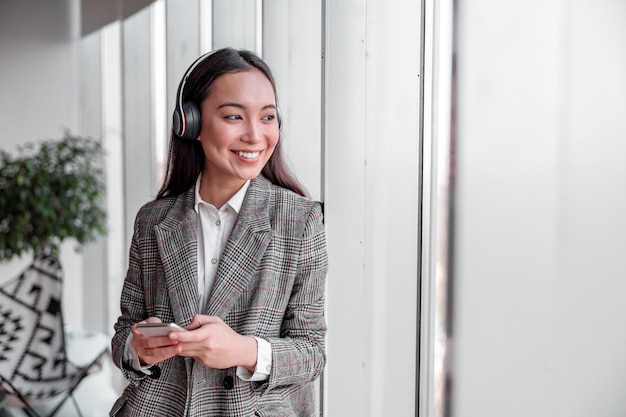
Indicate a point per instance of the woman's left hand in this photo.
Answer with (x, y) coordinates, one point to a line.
(213, 343)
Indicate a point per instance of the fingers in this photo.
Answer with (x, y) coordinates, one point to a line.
(153, 320)
(200, 320)
(156, 355)
(136, 332)
(202, 329)
(151, 350)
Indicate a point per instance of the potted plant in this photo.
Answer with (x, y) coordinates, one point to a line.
(50, 191)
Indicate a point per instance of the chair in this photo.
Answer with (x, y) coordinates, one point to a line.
(34, 366)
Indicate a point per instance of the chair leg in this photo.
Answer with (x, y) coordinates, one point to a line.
(59, 405)
(30, 411)
(77, 407)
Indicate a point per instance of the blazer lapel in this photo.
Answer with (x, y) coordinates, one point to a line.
(244, 250)
(177, 242)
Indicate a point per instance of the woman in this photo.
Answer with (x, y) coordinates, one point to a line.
(231, 250)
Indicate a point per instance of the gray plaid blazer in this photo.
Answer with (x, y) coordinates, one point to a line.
(269, 283)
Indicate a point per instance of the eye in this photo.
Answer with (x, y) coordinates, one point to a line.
(233, 117)
(268, 117)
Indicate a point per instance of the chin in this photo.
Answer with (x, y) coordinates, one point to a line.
(249, 175)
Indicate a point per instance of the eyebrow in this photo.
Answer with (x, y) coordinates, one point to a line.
(241, 106)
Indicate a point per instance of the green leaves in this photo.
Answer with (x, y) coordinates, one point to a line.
(50, 191)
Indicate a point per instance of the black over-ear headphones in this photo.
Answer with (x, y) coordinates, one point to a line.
(187, 121)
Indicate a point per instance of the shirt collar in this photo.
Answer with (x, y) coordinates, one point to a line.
(235, 202)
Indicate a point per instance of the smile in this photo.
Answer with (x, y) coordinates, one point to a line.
(248, 155)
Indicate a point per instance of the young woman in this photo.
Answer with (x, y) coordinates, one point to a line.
(233, 252)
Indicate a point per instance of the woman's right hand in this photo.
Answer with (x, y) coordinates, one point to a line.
(153, 349)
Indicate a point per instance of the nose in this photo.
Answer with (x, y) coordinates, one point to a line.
(253, 132)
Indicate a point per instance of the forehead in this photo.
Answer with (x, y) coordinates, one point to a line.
(250, 85)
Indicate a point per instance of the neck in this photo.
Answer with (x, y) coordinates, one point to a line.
(218, 193)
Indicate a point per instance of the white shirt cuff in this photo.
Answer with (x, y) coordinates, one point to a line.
(131, 357)
(263, 363)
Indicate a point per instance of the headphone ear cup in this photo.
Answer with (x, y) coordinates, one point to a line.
(279, 118)
(193, 119)
(177, 123)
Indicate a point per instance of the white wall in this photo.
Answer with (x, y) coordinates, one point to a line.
(539, 243)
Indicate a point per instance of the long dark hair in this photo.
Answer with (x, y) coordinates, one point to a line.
(186, 157)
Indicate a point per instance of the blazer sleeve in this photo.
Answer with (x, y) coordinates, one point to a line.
(132, 306)
(299, 356)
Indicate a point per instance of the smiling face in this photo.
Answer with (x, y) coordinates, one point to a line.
(239, 132)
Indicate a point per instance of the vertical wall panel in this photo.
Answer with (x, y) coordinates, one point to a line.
(95, 294)
(112, 138)
(344, 114)
(235, 24)
(372, 182)
(590, 312)
(392, 204)
(140, 179)
(292, 47)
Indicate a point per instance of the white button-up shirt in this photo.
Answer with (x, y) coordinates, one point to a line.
(214, 227)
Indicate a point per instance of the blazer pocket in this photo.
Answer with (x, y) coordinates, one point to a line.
(273, 410)
(259, 386)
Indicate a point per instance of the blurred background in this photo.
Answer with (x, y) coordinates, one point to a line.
(471, 157)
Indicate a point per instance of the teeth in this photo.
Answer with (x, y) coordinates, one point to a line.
(248, 155)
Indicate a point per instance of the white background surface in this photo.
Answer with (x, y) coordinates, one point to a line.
(540, 267)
